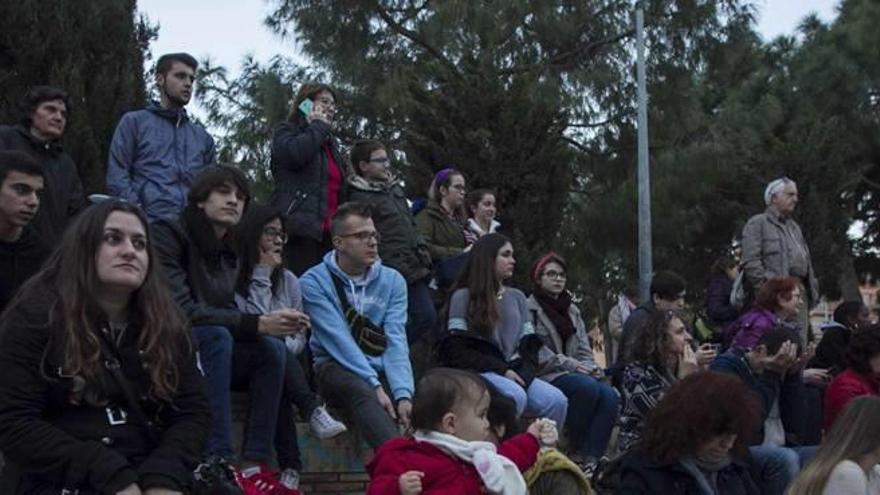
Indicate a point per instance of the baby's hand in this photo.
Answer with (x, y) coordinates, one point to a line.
(545, 431)
(410, 482)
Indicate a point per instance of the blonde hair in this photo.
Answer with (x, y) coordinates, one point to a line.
(854, 435)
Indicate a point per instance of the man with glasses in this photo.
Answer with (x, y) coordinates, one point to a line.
(156, 153)
(402, 247)
(358, 313)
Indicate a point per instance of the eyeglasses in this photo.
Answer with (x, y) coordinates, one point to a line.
(364, 236)
(555, 275)
(273, 233)
(327, 102)
(459, 187)
(380, 161)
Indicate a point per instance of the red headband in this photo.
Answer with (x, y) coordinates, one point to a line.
(542, 261)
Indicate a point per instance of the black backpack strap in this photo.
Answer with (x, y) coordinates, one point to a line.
(340, 292)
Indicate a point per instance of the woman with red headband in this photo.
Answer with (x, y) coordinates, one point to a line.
(569, 366)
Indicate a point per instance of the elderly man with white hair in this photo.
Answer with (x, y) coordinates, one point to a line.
(773, 246)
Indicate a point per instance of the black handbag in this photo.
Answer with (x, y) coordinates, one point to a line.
(369, 337)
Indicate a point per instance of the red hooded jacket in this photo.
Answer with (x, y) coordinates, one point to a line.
(444, 474)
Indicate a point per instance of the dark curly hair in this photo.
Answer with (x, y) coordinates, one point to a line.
(651, 341)
(863, 345)
(698, 408)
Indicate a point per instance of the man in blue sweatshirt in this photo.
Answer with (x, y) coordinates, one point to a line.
(157, 152)
(772, 370)
(358, 340)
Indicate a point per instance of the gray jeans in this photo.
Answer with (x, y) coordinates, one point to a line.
(345, 390)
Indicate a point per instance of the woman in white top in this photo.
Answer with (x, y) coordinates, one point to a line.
(481, 212)
(846, 460)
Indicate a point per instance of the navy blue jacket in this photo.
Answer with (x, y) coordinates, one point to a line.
(154, 157)
(768, 385)
(718, 307)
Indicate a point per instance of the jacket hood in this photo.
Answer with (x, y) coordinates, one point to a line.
(372, 272)
(53, 146)
(173, 114)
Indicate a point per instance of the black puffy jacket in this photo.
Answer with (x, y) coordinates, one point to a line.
(640, 475)
(58, 439)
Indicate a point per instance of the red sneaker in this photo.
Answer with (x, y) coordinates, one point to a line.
(247, 485)
(266, 482)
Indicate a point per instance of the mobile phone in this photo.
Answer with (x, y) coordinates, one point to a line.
(306, 106)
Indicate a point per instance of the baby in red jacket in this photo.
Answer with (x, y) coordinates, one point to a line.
(450, 451)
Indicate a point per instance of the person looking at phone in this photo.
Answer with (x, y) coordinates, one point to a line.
(772, 369)
(235, 348)
(358, 314)
(569, 364)
(307, 170)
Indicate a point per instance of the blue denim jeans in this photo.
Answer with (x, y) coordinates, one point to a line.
(774, 468)
(256, 366)
(296, 392)
(541, 398)
(592, 411)
(421, 313)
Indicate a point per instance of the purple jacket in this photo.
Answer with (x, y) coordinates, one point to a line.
(745, 332)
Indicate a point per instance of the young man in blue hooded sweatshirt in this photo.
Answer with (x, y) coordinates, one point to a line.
(351, 360)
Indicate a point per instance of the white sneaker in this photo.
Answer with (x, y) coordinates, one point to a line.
(323, 425)
(289, 478)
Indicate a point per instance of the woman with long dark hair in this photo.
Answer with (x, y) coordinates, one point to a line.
(696, 440)
(265, 286)
(846, 460)
(308, 173)
(99, 391)
(488, 323)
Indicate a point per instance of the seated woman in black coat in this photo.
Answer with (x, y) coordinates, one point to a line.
(696, 440)
(99, 391)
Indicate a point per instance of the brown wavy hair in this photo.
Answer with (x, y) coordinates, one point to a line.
(651, 342)
(75, 317)
(478, 276)
(696, 409)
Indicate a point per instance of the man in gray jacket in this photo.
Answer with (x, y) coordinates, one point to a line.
(156, 153)
(773, 246)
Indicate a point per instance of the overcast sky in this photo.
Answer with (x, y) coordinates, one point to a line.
(227, 30)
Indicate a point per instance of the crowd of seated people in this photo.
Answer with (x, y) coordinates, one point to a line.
(128, 323)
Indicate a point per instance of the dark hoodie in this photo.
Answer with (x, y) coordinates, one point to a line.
(62, 189)
(155, 156)
(19, 260)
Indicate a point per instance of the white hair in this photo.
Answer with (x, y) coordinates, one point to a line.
(775, 187)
